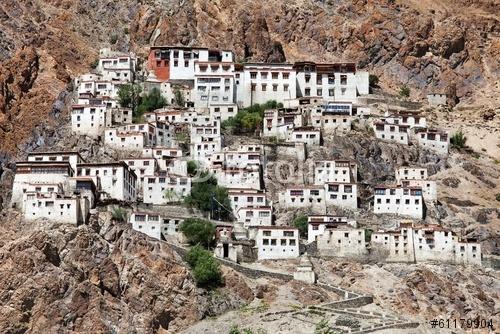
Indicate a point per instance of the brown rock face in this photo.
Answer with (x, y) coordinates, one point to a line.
(59, 278)
(429, 45)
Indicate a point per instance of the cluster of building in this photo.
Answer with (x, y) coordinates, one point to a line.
(411, 127)
(318, 99)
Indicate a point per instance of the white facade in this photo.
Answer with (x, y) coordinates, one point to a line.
(413, 120)
(303, 197)
(223, 112)
(307, 135)
(37, 173)
(391, 132)
(116, 180)
(316, 225)
(277, 242)
(342, 242)
(399, 200)
(434, 140)
(332, 117)
(411, 173)
(343, 171)
(246, 198)
(259, 83)
(55, 207)
(117, 67)
(278, 122)
(125, 140)
(426, 243)
(205, 141)
(247, 178)
(155, 225)
(73, 158)
(344, 195)
(165, 188)
(214, 84)
(255, 216)
(142, 167)
(88, 120)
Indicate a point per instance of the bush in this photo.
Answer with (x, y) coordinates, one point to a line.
(458, 139)
(192, 167)
(201, 197)
(323, 327)
(95, 63)
(497, 197)
(152, 101)
(113, 39)
(250, 119)
(198, 231)
(404, 91)
(129, 96)
(119, 214)
(206, 269)
(301, 223)
(179, 99)
(373, 80)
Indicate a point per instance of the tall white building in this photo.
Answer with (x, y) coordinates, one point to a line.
(399, 200)
(277, 242)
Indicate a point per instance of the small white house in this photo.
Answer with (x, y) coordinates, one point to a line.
(242, 197)
(155, 225)
(89, 120)
(343, 171)
(344, 195)
(307, 135)
(255, 216)
(317, 224)
(55, 207)
(411, 173)
(125, 140)
(416, 177)
(277, 242)
(399, 200)
(164, 188)
(248, 178)
(391, 132)
(303, 196)
(435, 140)
(142, 167)
(116, 179)
(411, 119)
(278, 122)
(332, 117)
(341, 241)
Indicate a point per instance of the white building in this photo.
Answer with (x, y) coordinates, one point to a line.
(116, 179)
(242, 197)
(167, 158)
(306, 134)
(247, 178)
(277, 242)
(411, 119)
(117, 67)
(341, 241)
(326, 171)
(435, 140)
(302, 196)
(426, 243)
(205, 141)
(399, 200)
(155, 225)
(74, 158)
(125, 140)
(222, 112)
(55, 207)
(417, 177)
(142, 167)
(436, 99)
(214, 84)
(332, 117)
(88, 120)
(237, 159)
(278, 122)
(331, 82)
(391, 132)
(343, 195)
(255, 216)
(32, 173)
(164, 188)
(317, 224)
(257, 83)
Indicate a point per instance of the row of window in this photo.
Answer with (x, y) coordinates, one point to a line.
(283, 242)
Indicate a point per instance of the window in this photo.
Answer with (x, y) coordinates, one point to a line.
(275, 88)
(265, 242)
(267, 233)
(283, 242)
(264, 86)
(253, 75)
(285, 88)
(263, 75)
(273, 242)
(176, 63)
(254, 87)
(285, 76)
(275, 75)
(288, 233)
(307, 92)
(331, 92)
(186, 63)
(292, 242)
(319, 92)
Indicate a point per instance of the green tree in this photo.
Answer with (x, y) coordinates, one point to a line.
(404, 91)
(192, 167)
(198, 232)
(373, 80)
(201, 196)
(301, 223)
(323, 327)
(119, 214)
(113, 39)
(129, 96)
(206, 270)
(458, 139)
(179, 99)
(152, 101)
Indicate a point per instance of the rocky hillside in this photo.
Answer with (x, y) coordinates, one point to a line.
(102, 278)
(428, 45)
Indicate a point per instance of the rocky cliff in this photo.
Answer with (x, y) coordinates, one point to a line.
(97, 278)
(428, 45)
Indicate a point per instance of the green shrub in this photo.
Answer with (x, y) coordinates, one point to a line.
(119, 214)
(129, 96)
(198, 232)
(95, 63)
(192, 167)
(206, 269)
(202, 191)
(179, 99)
(373, 80)
(368, 235)
(497, 197)
(249, 119)
(301, 223)
(404, 91)
(113, 39)
(152, 101)
(323, 327)
(458, 139)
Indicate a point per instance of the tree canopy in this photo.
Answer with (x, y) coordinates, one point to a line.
(198, 232)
